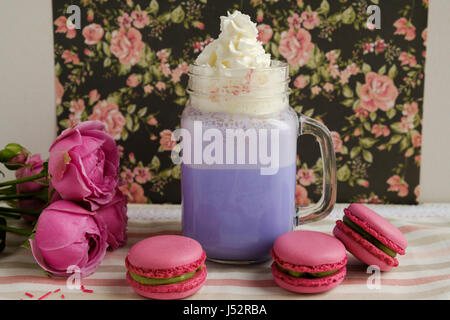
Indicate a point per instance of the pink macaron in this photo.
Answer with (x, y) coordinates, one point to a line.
(166, 267)
(308, 261)
(370, 237)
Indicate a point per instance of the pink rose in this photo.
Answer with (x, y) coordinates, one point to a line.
(296, 46)
(148, 88)
(114, 214)
(397, 184)
(380, 130)
(152, 121)
(328, 87)
(77, 106)
(110, 115)
(406, 28)
(416, 139)
(34, 165)
(127, 46)
(407, 59)
(310, 19)
(62, 27)
(300, 82)
(265, 33)
(59, 91)
(410, 109)
(417, 192)
(134, 192)
(84, 164)
(379, 92)
(140, 18)
(133, 81)
(93, 96)
(125, 20)
(93, 33)
(337, 141)
(316, 90)
(301, 196)
(306, 177)
(166, 140)
(142, 174)
(160, 86)
(69, 239)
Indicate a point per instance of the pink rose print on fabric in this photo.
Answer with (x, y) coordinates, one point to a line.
(296, 46)
(166, 140)
(140, 19)
(133, 81)
(306, 177)
(134, 192)
(93, 33)
(397, 184)
(406, 28)
(62, 27)
(337, 141)
(310, 19)
(265, 33)
(379, 92)
(142, 174)
(301, 196)
(410, 109)
(110, 115)
(127, 46)
(300, 82)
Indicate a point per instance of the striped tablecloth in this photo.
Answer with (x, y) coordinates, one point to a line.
(424, 272)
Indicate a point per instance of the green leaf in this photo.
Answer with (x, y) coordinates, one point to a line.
(367, 155)
(107, 62)
(395, 139)
(141, 113)
(176, 172)
(274, 49)
(153, 7)
(391, 113)
(358, 88)
(392, 72)
(367, 142)
(106, 49)
(396, 126)
(180, 101)
(366, 68)
(348, 16)
(404, 144)
(354, 152)
(179, 90)
(382, 70)
(58, 70)
(177, 15)
(155, 163)
(373, 116)
(315, 79)
(324, 7)
(131, 108)
(347, 102)
(347, 92)
(129, 122)
(343, 174)
(124, 135)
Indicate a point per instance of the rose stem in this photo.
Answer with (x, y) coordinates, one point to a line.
(15, 230)
(26, 179)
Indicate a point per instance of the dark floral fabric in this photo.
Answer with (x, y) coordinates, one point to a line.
(127, 67)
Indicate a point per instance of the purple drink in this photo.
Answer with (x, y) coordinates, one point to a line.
(236, 214)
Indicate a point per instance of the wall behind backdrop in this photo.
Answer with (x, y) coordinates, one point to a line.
(39, 80)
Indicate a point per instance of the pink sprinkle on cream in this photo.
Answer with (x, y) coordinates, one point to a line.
(45, 295)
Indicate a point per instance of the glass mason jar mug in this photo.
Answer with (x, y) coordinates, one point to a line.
(238, 153)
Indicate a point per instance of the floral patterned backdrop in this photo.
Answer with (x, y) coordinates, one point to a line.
(127, 66)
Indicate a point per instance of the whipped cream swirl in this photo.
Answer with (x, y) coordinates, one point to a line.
(237, 45)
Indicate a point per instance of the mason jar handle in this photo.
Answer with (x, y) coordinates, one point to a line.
(322, 208)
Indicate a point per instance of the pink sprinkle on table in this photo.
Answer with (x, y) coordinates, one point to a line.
(62, 296)
(57, 290)
(45, 295)
(29, 294)
(86, 290)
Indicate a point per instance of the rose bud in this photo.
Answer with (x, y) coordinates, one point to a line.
(84, 165)
(69, 239)
(33, 166)
(13, 156)
(115, 217)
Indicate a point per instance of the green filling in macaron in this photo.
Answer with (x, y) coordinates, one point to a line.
(297, 274)
(160, 281)
(368, 237)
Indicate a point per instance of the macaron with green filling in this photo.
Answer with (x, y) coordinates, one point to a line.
(308, 261)
(370, 238)
(166, 267)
